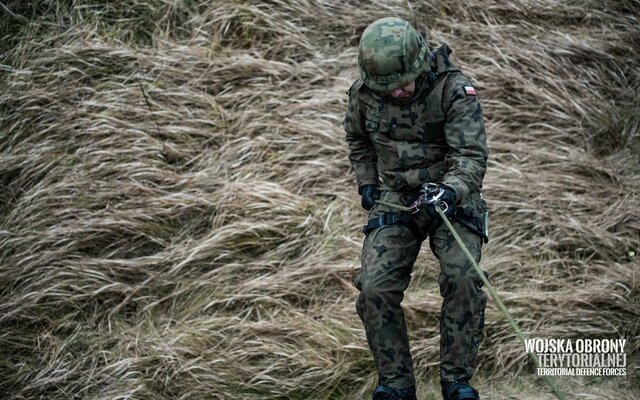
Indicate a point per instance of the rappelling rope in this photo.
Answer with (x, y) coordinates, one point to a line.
(552, 383)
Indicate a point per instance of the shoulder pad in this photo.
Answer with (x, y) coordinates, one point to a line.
(444, 49)
(355, 87)
(443, 62)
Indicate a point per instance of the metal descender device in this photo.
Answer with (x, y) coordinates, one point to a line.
(431, 194)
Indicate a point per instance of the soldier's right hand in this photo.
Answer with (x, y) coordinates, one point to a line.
(370, 194)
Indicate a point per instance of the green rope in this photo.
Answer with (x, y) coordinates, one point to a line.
(552, 383)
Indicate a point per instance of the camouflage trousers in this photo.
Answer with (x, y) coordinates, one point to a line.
(388, 256)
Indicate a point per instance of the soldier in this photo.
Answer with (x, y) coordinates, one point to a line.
(414, 118)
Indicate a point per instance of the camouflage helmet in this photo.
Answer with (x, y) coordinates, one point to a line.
(392, 53)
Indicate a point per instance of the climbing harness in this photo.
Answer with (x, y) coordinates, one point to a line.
(430, 197)
(431, 194)
(384, 220)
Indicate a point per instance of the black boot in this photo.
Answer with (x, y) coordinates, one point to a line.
(389, 393)
(460, 390)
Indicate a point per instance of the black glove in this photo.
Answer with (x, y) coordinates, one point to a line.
(448, 197)
(370, 194)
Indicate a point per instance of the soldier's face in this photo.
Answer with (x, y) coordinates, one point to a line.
(403, 92)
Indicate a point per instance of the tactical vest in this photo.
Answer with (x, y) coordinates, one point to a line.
(409, 139)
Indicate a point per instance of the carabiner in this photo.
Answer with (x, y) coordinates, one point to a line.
(432, 193)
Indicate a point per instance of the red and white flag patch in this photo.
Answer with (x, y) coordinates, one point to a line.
(469, 90)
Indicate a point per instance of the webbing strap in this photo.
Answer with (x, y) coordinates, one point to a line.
(387, 219)
(384, 220)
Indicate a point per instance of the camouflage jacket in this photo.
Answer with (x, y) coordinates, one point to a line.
(436, 136)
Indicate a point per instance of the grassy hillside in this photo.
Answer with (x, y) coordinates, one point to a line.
(178, 219)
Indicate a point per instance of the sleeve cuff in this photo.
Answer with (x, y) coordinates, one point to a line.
(368, 181)
(458, 186)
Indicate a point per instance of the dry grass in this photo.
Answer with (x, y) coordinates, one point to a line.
(178, 218)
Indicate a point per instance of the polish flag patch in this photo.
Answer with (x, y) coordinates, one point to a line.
(469, 90)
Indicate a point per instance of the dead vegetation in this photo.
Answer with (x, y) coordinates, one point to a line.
(178, 218)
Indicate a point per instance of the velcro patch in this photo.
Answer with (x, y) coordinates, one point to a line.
(469, 90)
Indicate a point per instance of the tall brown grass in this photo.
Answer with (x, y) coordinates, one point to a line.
(178, 219)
